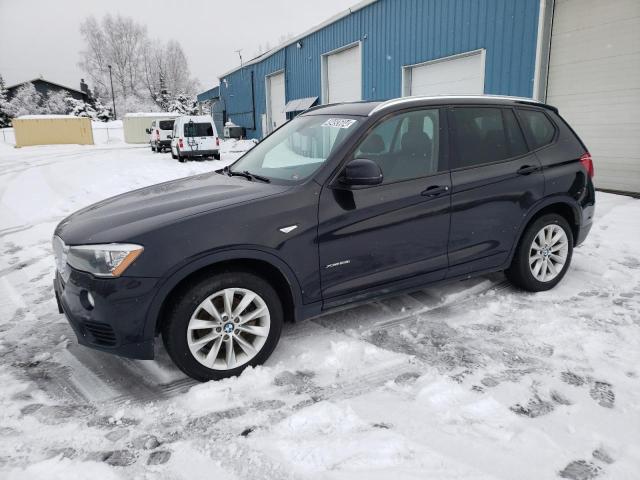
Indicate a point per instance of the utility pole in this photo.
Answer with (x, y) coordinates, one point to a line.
(113, 98)
(239, 52)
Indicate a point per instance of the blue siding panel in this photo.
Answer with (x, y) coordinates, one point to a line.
(395, 33)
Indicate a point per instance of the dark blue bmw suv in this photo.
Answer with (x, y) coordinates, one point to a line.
(344, 203)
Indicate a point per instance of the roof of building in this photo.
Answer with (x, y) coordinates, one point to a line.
(358, 6)
(40, 79)
(209, 94)
(47, 117)
(151, 114)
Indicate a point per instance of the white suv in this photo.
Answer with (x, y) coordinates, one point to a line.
(160, 134)
(194, 136)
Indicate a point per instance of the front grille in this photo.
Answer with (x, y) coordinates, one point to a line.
(101, 333)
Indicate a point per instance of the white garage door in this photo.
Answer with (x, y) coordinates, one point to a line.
(456, 75)
(594, 80)
(343, 76)
(275, 101)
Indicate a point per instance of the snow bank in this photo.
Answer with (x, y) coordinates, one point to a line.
(107, 132)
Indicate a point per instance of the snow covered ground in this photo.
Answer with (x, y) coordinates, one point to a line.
(472, 380)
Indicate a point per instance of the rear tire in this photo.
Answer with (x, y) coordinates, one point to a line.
(209, 348)
(216, 156)
(543, 255)
(181, 159)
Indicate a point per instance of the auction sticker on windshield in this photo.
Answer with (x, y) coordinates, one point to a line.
(339, 122)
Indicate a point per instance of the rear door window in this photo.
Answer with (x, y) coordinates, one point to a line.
(166, 124)
(540, 131)
(193, 129)
(484, 135)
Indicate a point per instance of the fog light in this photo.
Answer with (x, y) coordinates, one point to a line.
(87, 300)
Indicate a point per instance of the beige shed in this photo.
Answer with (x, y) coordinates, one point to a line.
(52, 129)
(135, 125)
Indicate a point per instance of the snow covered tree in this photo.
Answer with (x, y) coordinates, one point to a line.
(184, 104)
(104, 114)
(78, 108)
(56, 103)
(5, 120)
(26, 101)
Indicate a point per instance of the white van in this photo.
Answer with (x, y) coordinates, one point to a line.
(194, 136)
(160, 134)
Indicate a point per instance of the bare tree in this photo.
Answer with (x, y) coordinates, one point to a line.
(166, 72)
(143, 71)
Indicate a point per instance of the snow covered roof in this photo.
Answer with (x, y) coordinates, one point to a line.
(152, 114)
(40, 79)
(45, 117)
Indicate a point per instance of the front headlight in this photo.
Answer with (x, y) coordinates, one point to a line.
(108, 260)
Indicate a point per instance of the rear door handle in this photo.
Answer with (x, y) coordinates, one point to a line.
(435, 190)
(527, 169)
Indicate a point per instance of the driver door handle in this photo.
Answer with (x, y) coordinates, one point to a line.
(527, 169)
(435, 190)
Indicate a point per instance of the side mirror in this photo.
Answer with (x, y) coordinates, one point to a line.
(169, 137)
(148, 130)
(361, 171)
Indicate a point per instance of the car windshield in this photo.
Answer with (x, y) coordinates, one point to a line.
(166, 124)
(298, 149)
(193, 129)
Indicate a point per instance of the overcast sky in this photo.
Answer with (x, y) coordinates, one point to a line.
(43, 37)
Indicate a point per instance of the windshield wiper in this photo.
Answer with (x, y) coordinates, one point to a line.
(246, 174)
(257, 177)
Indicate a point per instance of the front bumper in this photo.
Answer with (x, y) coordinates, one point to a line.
(116, 324)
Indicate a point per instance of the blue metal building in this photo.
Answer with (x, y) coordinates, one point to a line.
(560, 51)
(390, 41)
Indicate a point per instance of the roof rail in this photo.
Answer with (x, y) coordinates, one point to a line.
(400, 101)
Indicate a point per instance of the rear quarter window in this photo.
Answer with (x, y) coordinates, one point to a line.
(539, 129)
(166, 125)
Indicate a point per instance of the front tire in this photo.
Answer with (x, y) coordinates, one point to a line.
(543, 255)
(222, 324)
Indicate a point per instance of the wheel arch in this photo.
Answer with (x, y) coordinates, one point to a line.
(565, 206)
(264, 264)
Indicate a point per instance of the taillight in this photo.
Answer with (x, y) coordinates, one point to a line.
(180, 143)
(587, 163)
(158, 132)
(217, 142)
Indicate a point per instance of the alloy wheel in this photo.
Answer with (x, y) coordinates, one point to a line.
(228, 328)
(548, 253)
